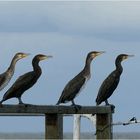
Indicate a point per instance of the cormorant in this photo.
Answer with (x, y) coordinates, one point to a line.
(25, 81)
(75, 85)
(111, 82)
(7, 75)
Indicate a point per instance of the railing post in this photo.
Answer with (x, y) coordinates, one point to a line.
(53, 126)
(104, 126)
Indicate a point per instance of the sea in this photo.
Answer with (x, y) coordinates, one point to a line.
(84, 135)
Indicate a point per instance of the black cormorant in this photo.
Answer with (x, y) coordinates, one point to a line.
(7, 75)
(111, 82)
(75, 85)
(25, 81)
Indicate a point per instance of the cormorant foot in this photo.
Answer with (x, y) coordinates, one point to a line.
(28, 105)
(77, 107)
(21, 104)
(112, 106)
(24, 104)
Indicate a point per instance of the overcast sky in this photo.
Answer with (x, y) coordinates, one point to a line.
(68, 31)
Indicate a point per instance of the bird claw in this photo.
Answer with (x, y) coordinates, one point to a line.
(112, 106)
(77, 107)
(24, 104)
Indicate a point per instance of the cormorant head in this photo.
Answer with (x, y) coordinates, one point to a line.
(122, 57)
(40, 57)
(21, 55)
(93, 54)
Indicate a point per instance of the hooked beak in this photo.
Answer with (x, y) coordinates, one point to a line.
(99, 53)
(49, 56)
(130, 56)
(25, 55)
(46, 57)
(127, 56)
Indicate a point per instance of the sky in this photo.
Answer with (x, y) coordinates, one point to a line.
(69, 31)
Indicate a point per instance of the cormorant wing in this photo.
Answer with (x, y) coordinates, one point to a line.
(108, 87)
(20, 83)
(24, 79)
(72, 88)
(2, 80)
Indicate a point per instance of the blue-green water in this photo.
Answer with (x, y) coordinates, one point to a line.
(125, 135)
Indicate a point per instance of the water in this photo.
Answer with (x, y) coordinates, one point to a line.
(4, 136)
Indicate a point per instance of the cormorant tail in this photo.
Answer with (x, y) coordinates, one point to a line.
(1, 101)
(57, 103)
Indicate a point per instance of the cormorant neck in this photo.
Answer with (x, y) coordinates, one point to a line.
(119, 67)
(11, 68)
(36, 67)
(87, 65)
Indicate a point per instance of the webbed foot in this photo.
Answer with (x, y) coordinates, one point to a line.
(112, 106)
(22, 104)
(77, 107)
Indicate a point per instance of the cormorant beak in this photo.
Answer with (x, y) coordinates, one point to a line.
(128, 56)
(99, 53)
(49, 56)
(46, 57)
(25, 55)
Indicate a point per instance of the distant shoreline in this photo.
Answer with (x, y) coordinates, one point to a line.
(67, 135)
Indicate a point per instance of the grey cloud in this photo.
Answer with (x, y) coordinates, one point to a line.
(107, 20)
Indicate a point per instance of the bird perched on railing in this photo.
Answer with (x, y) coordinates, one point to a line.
(75, 85)
(111, 82)
(7, 75)
(25, 81)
